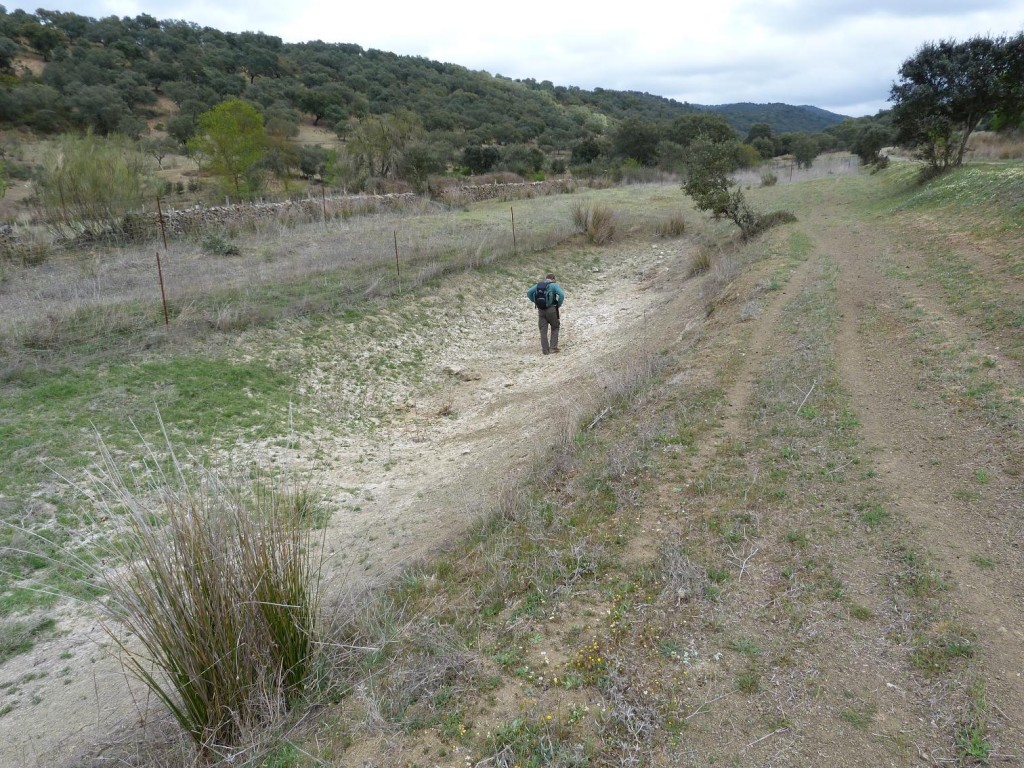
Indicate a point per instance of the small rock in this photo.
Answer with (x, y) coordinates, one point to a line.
(460, 374)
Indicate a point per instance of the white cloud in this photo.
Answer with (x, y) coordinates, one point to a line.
(840, 55)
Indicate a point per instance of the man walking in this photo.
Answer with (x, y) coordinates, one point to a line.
(547, 296)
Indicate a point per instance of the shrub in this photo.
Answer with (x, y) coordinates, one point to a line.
(768, 220)
(218, 245)
(220, 590)
(86, 184)
(710, 186)
(769, 179)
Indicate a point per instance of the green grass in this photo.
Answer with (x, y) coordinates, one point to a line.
(51, 421)
(749, 681)
(49, 431)
(873, 514)
(983, 562)
(19, 636)
(861, 719)
(860, 612)
(746, 647)
(997, 188)
(973, 743)
(987, 202)
(938, 653)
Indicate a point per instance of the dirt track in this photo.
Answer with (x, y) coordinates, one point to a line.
(952, 470)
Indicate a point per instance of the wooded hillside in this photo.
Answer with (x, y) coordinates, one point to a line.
(65, 71)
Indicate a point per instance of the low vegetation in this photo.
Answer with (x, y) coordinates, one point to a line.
(656, 580)
(217, 606)
(710, 184)
(585, 640)
(595, 222)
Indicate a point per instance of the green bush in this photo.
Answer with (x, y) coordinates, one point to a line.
(710, 185)
(86, 184)
(769, 179)
(218, 245)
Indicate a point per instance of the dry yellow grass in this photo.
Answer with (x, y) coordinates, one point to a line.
(986, 145)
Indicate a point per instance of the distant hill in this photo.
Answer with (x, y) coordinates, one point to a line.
(622, 105)
(783, 118)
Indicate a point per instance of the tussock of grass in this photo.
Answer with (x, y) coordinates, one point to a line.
(216, 607)
(598, 223)
(673, 226)
(700, 262)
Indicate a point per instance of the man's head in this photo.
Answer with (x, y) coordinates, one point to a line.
(549, 276)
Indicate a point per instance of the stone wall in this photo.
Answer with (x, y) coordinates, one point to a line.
(196, 220)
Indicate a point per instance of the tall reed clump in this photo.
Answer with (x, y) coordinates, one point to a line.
(216, 609)
(596, 222)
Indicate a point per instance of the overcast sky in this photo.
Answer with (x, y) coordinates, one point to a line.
(840, 55)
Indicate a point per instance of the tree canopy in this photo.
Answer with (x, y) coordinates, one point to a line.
(230, 140)
(947, 88)
(197, 67)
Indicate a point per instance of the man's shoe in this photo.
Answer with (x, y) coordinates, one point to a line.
(555, 349)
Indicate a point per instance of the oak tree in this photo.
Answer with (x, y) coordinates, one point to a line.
(230, 140)
(944, 92)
